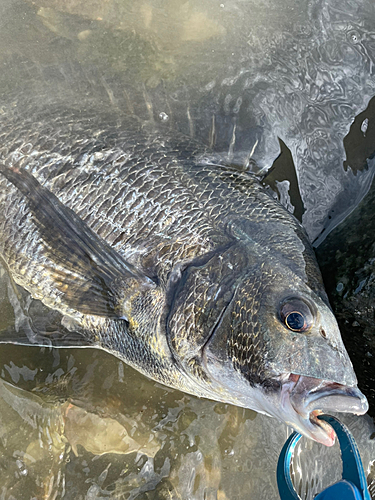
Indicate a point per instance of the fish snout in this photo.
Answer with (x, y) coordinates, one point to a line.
(310, 397)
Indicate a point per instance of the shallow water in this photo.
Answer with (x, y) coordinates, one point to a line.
(78, 423)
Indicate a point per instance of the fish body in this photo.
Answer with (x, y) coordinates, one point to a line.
(183, 267)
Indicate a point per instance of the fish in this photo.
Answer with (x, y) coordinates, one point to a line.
(180, 264)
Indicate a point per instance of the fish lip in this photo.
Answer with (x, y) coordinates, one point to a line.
(306, 398)
(320, 430)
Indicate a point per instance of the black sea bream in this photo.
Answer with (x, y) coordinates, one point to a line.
(183, 267)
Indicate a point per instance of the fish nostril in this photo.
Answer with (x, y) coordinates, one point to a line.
(323, 333)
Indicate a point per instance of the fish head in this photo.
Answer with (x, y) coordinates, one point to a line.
(267, 339)
(278, 350)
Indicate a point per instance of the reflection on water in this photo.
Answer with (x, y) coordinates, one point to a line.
(78, 423)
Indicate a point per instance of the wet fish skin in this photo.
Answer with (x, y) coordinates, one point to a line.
(176, 265)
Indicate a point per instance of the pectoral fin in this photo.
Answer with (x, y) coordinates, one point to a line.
(92, 276)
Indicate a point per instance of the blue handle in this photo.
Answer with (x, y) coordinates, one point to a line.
(341, 490)
(353, 485)
(284, 481)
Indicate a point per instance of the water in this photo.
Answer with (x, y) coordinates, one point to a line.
(63, 411)
(78, 423)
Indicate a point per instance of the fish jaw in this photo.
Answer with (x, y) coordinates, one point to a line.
(304, 398)
(294, 399)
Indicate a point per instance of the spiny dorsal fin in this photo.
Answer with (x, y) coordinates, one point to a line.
(95, 279)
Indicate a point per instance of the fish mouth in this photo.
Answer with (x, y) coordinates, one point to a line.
(304, 398)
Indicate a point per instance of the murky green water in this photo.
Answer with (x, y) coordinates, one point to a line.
(78, 423)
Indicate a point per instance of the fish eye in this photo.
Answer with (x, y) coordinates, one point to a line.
(296, 315)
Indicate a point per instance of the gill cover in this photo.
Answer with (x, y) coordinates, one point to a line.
(200, 299)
